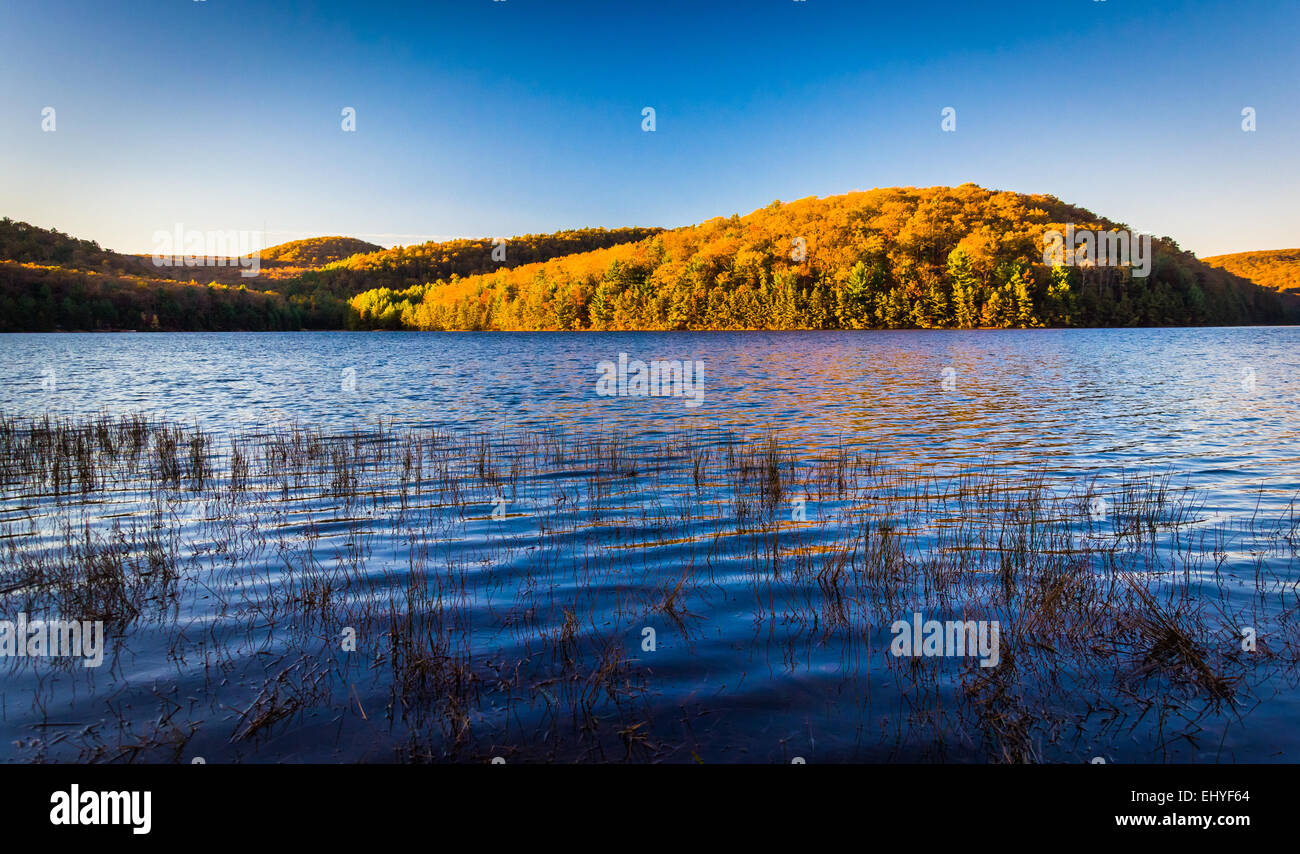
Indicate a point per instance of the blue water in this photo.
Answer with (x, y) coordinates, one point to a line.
(747, 669)
(1207, 401)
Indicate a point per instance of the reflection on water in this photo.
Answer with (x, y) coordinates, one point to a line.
(499, 549)
(1215, 402)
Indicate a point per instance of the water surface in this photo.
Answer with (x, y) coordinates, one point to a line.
(775, 641)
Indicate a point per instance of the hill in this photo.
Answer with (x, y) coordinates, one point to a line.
(937, 257)
(39, 298)
(30, 244)
(51, 281)
(422, 263)
(1277, 269)
(317, 251)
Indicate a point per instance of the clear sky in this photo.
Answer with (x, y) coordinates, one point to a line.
(483, 118)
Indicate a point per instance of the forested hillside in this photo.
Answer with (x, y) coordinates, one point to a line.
(938, 257)
(35, 298)
(317, 251)
(30, 244)
(50, 281)
(441, 260)
(1276, 269)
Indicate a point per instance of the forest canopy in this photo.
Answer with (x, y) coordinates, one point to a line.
(1276, 269)
(938, 257)
(317, 251)
(930, 258)
(50, 281)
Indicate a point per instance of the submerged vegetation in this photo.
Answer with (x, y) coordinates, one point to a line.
(425, 595)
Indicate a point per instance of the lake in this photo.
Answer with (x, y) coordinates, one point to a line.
(450, 547)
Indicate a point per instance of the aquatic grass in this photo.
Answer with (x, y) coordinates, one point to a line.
(246, 555)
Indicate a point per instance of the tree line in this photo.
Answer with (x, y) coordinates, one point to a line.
(930, 258)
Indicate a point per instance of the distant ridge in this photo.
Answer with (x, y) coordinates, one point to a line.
(1278, 269)
(317, 251)
(440, 260)
(51, 281)
(31, 244)
(890, 258)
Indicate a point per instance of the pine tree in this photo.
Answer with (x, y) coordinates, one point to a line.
(965, 290)
(1060, 299)
(854, 302)
(1024, 301)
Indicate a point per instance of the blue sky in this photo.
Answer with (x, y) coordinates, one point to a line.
(483, 118)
